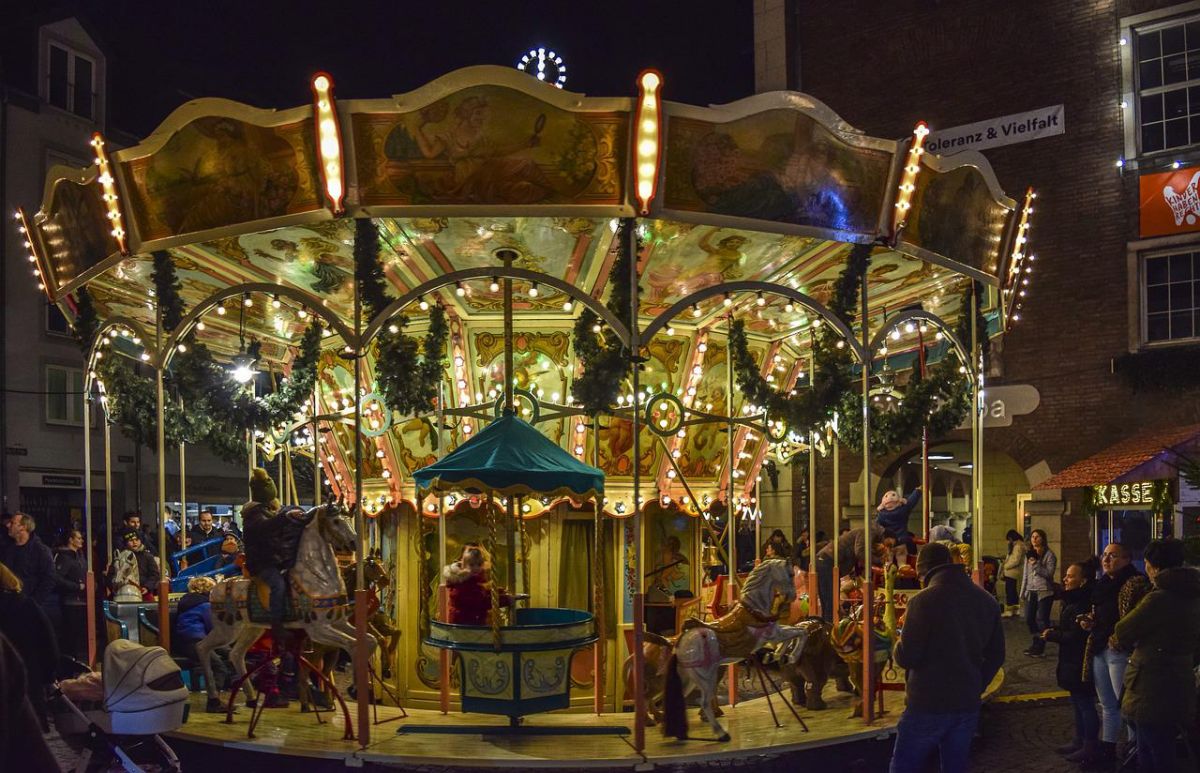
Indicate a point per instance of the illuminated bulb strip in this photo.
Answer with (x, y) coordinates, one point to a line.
(39, 267)
(109, 185)
(647, 138)
(1018, 265)
(329, 141)
(908, 178)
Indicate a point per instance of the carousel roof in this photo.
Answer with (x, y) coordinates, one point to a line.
(512, 458)
(259, 205)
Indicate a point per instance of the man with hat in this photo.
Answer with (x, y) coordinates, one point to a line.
(952, 645)
(133, 567)
(272, 539)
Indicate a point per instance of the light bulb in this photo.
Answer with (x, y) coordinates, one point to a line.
(459, 290)
(423, 304)
(495, 285)
(247, 302)
(533, 290)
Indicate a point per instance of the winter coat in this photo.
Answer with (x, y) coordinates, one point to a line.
(197, 536)
(1164, 633)
(1038, 576)
(193, 618)
(21, 744)
(30, 631)
(471, 595)
(147, 566)
(894, 522)
(70, 572)
(1072, 641)
(952, 644)
(852, 550)
(34, 565)
(1014, 562)
(1112, 598)
(272, 539)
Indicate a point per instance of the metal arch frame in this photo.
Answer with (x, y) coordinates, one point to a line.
(485, 272)
(677, 308)
(112, 322)
(911, 315)
(310, 302)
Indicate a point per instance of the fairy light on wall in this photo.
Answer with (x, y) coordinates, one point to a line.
(1020, 265)
(545, 65)
(108, 185)
(908, 179)
(329, 141)
(647, 138)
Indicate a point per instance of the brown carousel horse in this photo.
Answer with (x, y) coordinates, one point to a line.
(847, 635)
(807, 663)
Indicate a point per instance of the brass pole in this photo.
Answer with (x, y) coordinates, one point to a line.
(868, 684)
(629, 237)
(182, 485)
(598, 570)
(812, 524)
(164, 585)
(837, 527)
(108, 514)
(732, 515)
(925, 498)
(90, 579)
(361, 677)
(976, 371)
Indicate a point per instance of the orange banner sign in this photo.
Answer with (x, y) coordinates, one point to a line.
(1168, 202)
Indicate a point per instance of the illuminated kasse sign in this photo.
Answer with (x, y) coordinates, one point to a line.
(1140, 493)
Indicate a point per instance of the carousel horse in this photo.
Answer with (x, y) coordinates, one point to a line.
(701, 649)
(847, 637)
(317, 602)
(807, 662)
(378, 623)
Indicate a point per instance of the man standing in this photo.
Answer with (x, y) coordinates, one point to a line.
(205, 530)
(1119, 590)
(852, 556)
(30, 560)
(952, 646)
(133, 522)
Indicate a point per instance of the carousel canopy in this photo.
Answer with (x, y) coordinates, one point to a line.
(511, 457)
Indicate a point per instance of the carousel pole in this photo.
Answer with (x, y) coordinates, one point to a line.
(361, 678)
(509, 407)
(443, 593)
(164, 585)
(868, 625)
(834, 532)
(976, 371)
(316, 441)
(925, 503)
(732, 516)
(629, 234)
(812, 524)
(182, 485)
(108, 529)
(598, 652)
(90, 580)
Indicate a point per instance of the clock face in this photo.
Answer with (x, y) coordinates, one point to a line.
(545, 65)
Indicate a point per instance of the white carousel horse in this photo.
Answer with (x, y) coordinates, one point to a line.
(316, 589)
(702, 649)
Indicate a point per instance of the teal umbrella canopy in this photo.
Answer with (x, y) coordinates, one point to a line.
(511, 457)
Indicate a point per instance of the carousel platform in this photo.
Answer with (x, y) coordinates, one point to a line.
(288, 733)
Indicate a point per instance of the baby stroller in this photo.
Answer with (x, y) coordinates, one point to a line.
(118, 713)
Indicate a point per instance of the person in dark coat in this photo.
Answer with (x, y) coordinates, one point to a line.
(31, 560)
(22, 746)
(852, 556)
(134, 555)
(952, 645)
(70, 582)
(149, 538)
(1117, 592)
(1076, 601)
(31, 633)
(893, 513)
(272, 539)
(193, 621)
(203, 531)
(1163, 631)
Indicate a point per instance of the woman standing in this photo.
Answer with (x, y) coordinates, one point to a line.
(1037, 590)
(1014, 567)
(1076, 599)
(70, 576)
(1164, 633)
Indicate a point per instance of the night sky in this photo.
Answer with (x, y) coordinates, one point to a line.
(163, 53)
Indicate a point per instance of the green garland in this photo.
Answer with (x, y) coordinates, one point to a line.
(86, 323)
(604, 359)
(407, 382)
(166, 290)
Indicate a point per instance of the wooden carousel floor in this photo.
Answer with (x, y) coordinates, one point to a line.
(290, 733)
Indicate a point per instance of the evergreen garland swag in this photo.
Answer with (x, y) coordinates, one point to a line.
(408, 383)
(602, 356)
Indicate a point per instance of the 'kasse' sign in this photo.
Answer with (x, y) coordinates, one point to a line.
(1140, 493)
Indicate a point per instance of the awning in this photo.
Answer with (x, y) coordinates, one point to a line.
(1145, 456)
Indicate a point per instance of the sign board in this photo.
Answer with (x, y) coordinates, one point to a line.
(995, 132)
(125, 458)
(1168, 202)
(901, 597)
(62, 481)
(16, 451)
(1004, 402)
(1135, 495)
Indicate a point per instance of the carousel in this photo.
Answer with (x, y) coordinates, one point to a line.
(575, 331)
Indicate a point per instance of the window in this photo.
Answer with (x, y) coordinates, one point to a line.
(55, 321)
(1172, 296)
(64, 395)
(71, 81)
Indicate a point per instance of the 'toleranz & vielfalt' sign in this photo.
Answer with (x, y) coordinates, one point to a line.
(994, 132)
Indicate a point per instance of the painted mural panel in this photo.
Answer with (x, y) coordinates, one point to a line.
(218, 171)
(954, 214)
(76, 233)
(490, 145)
(778, 165)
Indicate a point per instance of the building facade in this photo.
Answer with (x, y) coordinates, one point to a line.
(1097, 106)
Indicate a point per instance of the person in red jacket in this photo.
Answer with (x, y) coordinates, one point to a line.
(469, 580)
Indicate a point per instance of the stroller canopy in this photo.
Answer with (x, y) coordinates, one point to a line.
(138, 678)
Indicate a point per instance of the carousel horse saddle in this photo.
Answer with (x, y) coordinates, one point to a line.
(258, 604)
(737, 631)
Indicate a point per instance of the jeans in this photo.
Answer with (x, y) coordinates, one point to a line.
(1155, 747)
(825, 587)
(275, 579)
(1087, 720)
(1108, 672)
(922, 736)
(1037, 617)
(1010, 592)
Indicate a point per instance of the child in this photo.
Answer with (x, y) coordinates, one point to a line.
(1076, 598)
(469, 580)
